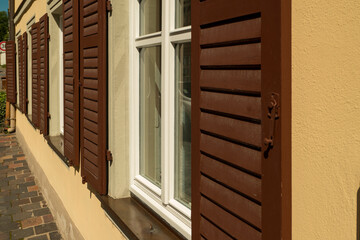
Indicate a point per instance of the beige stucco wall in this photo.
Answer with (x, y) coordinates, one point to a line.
(326, 118)
(35, 7)
(82, 206)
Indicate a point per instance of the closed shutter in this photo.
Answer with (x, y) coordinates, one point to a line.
(43, 74)
(236, 188)
(93, 103)
(10, 72)
(20, 77)
(35, 73)
(23, 77)
(71, 80)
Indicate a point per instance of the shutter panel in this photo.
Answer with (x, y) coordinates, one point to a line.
(236, 193)
(35, 73)
(25, 72)
(10, 72)
(43, 74)
(93, 98)
(20, 66)
(71, 80)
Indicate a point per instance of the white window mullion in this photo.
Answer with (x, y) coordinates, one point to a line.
(165, 96)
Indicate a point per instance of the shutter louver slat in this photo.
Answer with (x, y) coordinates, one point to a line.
(35, 73)
(229, 119)
(43, 74)
(71, 81)
(10, 72)
(93, 105)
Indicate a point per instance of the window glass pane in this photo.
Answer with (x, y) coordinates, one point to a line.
(150, 114)
(150, 16)
(183, 13)
(183, 124)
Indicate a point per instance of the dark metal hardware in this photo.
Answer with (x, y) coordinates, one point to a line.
(109, 6)
(273, 115)
(109, 157)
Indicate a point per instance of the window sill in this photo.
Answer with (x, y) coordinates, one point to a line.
(29, 118)
(135, 220)
(57, 144)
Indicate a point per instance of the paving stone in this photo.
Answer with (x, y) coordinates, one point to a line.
(42, 212)
(28, 194)
(22, 233)
(21, 216)
(11, 210)
(21, 202)
(37, 199)
(33, 188)
(31, 222)
(48, 218)
(31, 206)
(55, 236)
(23, 210)
(9, 226)
(49, 227)
(41, 237)
(17, 181)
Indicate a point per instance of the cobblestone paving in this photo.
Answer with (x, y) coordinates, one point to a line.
(23, 210)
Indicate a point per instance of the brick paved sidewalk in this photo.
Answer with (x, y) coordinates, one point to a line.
(23, 210)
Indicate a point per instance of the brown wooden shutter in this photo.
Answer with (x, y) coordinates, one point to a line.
(35, 73)
(11, 72)
(20, 66)
(43, 74)
(71, 81)
(236, 178)
(93, 98)
(23, 73)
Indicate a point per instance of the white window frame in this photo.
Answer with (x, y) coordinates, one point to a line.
(161, 200)
(61, 75)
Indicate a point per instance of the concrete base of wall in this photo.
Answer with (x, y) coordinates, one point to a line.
(65, 224)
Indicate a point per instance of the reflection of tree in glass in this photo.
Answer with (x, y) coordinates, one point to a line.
(4, 31)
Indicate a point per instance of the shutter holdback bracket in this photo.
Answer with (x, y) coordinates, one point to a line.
(109, 157)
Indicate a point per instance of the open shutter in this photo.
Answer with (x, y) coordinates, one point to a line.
(71, 81)
(35, 73)
(43, 74)
(10, 72)
(25, 71)
(20, 66)
(93, 89)
(236, 178)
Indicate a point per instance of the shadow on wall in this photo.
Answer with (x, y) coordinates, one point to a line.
(358, 215)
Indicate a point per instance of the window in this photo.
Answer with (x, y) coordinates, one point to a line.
(56, 79)
(160, 125)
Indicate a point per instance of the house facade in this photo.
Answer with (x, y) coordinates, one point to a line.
(160, 119)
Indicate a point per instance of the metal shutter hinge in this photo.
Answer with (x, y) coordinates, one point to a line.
(109, 157)
(49, 115)
(109, 6)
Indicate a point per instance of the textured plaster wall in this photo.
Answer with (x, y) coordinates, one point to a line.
(326, 118)
(83, 207)
(118, 99)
